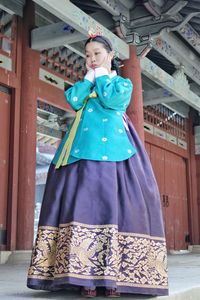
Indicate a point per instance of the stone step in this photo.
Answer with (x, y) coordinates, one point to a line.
(195, 249)
(19, 257)
(4, 256)
(191, 294)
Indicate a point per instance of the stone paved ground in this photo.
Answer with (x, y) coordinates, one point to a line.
(184, 282)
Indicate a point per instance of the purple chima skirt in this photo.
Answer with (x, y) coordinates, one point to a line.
(101, 225)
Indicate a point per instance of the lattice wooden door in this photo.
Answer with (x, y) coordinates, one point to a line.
(170, 172)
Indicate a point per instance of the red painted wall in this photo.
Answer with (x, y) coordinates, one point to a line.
(198, 184)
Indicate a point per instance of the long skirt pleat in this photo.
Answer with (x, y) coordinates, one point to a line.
(101, 225)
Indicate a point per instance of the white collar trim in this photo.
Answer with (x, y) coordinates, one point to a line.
(113, 74)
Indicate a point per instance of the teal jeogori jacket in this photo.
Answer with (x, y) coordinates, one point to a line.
(101, 134)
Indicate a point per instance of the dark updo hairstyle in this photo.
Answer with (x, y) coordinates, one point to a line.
(108, 46)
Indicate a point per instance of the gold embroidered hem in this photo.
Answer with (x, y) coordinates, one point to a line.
(96, 252)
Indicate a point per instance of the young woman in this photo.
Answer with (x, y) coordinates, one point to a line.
(101, 222)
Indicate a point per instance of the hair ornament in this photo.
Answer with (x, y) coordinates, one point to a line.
(94, 33)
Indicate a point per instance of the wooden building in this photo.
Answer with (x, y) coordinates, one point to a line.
(42, 52)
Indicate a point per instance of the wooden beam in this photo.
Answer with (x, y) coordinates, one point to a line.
(177, 84)
(79, 20)
(12, 7)
(53, 35)
(155, 101)
(45, 15)
(183, 51)
(156, 96)
(76, 49)
(191, 36)
(164, 97)
(195, 88)
(179, 107)
(115, 8)
(178, 53)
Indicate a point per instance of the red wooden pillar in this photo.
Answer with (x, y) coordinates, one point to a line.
(192, 183)
(132, 71)
(198, 187)
(14, 133)
(27, 160)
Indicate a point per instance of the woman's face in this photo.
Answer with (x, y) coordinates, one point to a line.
(96, 54)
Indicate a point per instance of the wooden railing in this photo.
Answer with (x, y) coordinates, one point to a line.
(166, 120)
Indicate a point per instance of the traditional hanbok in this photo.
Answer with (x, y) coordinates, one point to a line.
(101, 220)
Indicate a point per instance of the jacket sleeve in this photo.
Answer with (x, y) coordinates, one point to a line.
(76, 94)
(113, 93)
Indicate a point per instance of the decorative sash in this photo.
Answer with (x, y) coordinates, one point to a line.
(64, 155)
